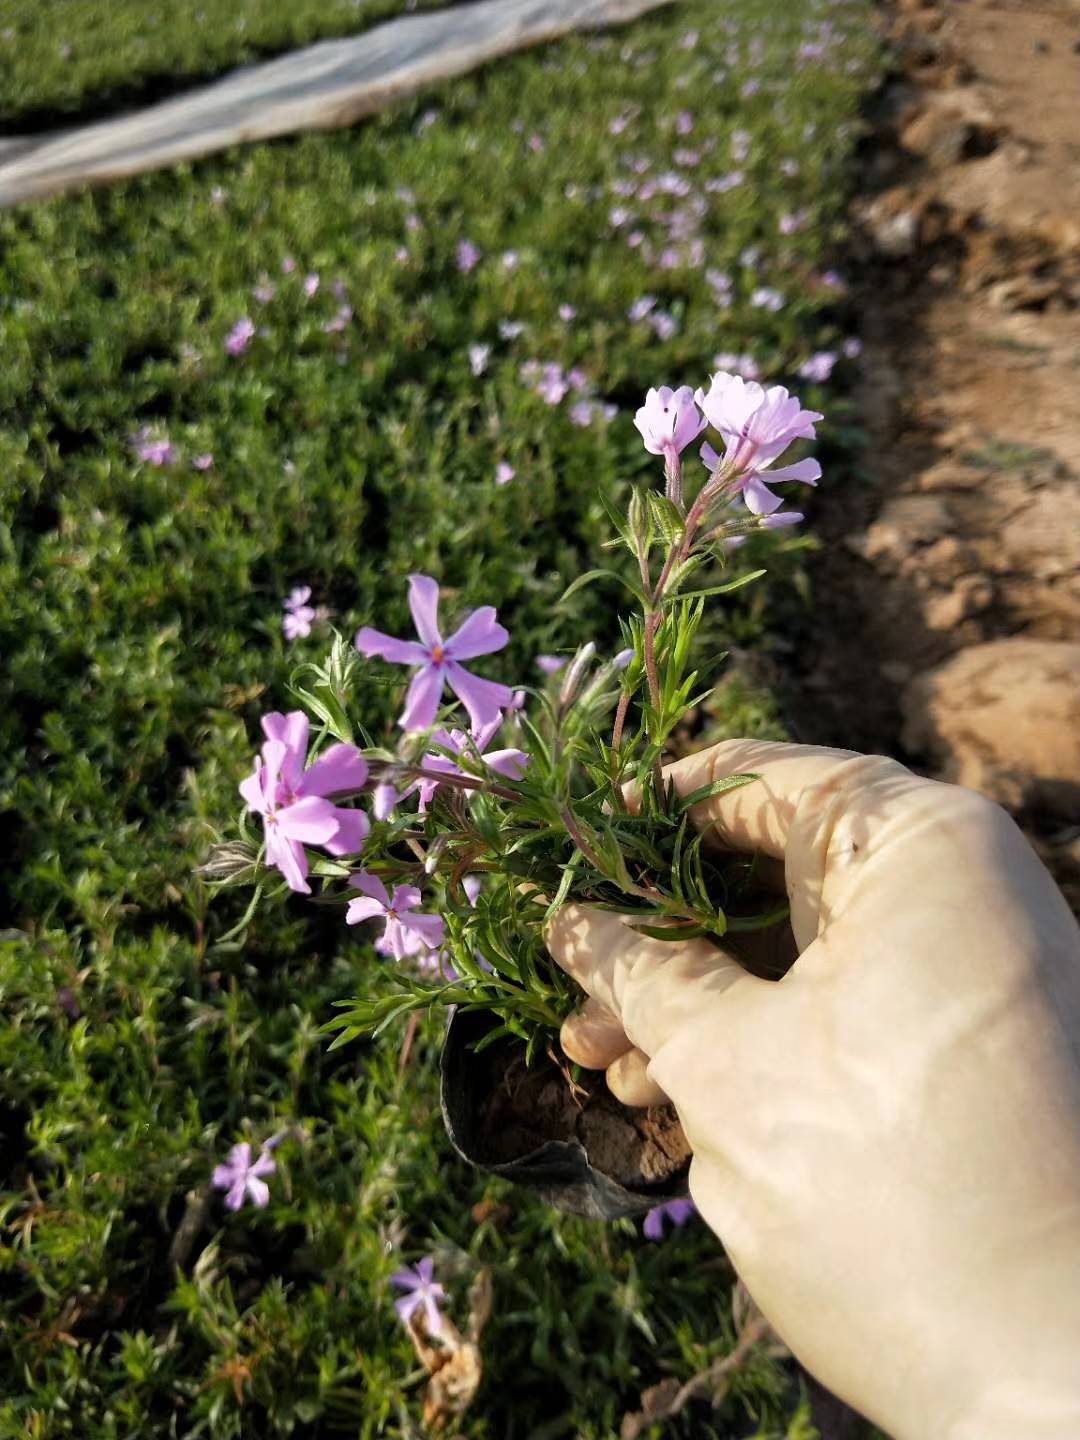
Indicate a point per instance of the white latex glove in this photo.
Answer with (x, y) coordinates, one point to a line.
(887, 1141)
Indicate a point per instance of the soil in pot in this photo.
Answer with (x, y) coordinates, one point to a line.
(529, 1106)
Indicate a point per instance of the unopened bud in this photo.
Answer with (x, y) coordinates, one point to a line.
(229, 864)
(575, 673)
(635, 515)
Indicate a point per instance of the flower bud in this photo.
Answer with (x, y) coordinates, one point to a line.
(575, 673)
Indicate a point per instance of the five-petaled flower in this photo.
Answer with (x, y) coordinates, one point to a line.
(677, 1211)
(758, 425)
(422, 1291)
(439, 660)
(299, 615)
(292, 800)
(669, 420)
(242, 1177)
(407, 931)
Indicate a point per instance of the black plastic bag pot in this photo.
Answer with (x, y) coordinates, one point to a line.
(584, 1154)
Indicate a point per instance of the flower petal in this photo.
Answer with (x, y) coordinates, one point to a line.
(399, 652)
(365, 908)
(511, 763)
(422, 699)
(370, 885)
(290, 858)
(311, 820)
(431, 929)
(353, 829)
(258, 1190)
(759, 498)
(483, 699)
(654, 1224)
(235, 1198)
(251, 789)
(808, 472)
(479, 634)
(406, 897)
(292, 731)
(383, 799)
(424, 604)
(338, 770)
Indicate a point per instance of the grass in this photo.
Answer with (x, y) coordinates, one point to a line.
(141, 636)
(63, 58)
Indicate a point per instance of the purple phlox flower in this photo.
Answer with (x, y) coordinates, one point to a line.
(687, 158)
(669, 420)
(684, 122)
(833, 280)
(383, 800)
(438, 661)
(669, 258)
(766, 298)
(218, 196)
(339, 322)
(819, 367)
(203, 462)
(664, 326)
(456, 743)
(790, 168)
(426, 120)
(619, 124)
(550, 664)
(725, 183)
(536, 143)
(677, 1211)
(740, 145)
(635, 239)
(468, 256)
(618, 216)
(852, 348)
(288, 264)
(689, 40)
(793, 221)
(478, 358)
(293, 801)
(567, 313)
(553, 384)
(296, 624)
(758, 425)
(750, 88)
(240, 336)
(581, 413)
(744, 365)
(504, 473)
(311, 285)
(510, 329)
(641, 308)
(338, 289)
(511, 260)
(242, 1177)
(264, 292)
(299, 615)
(422, 1292)
(153, 450)
(406, 931)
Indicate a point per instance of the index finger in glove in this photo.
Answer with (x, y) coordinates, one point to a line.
(652, 986)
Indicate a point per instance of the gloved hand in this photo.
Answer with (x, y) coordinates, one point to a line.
(887, 1141)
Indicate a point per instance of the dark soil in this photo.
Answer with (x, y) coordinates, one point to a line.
(530, 1106)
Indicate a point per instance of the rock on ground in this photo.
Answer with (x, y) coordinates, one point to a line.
(1003, 718)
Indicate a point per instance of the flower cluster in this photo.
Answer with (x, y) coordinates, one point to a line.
(472, 825)
(756, 425)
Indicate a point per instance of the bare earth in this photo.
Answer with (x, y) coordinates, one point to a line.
(948, 621)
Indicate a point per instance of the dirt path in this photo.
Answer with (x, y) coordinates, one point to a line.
(947, 622)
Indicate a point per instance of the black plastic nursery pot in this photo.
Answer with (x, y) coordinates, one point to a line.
(576, 1147)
